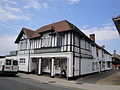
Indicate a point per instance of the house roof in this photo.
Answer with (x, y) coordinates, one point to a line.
(117, 23)
(60, 26)
(116, 55)
(26, 31)
(118, 16)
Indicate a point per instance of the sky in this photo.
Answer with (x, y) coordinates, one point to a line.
(90, 16)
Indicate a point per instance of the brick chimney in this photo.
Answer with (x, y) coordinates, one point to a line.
(92, 37)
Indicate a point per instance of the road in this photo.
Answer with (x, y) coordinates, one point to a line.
(19, 83)
(94, 78)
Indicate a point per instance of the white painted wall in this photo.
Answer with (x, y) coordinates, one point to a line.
(77, 64)
(23, 66)
(86, 66)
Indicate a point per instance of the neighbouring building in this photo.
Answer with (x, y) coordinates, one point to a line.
(116, 60)
(60, 49)
(116, 20)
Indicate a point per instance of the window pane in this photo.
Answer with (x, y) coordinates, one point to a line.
(8, 62)
(15, 62)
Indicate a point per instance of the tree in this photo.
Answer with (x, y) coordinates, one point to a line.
(115, 61)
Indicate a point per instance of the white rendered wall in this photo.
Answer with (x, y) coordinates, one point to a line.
(23, 66)
(86, 66)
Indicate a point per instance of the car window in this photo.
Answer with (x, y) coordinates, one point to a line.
(15, 62)
(8, 62)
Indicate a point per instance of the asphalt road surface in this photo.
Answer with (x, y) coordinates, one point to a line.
(94, 78)
(19, 83)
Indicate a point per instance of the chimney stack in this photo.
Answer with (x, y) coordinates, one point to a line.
(114, 51)
(92, 37)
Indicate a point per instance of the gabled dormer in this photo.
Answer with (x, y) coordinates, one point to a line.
(23, 39)
(24, 34)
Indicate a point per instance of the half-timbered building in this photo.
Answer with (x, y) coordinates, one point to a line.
(60, 49)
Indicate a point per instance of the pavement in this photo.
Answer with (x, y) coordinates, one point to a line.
(72, 84)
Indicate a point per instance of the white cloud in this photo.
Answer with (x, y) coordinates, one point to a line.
(8, 12)
(107, 24)
(7, 15)
(7, 44)
(107, 32)
(35, 4)
(73, 1)
(32, 4)
(45, 5)
(84, 27)
(69, 1)
(9, 1)
(15, 10)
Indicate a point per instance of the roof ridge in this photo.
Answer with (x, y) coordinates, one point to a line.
(51, 24)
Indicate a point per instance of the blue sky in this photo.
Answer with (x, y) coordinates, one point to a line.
(90, 16)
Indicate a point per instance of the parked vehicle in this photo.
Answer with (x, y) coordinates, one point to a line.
(8, 66)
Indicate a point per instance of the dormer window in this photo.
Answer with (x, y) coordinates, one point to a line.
(59, 40)
(23, 44)
(97, 52)
(46, 40)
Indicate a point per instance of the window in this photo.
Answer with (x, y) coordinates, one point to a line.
(102, 54)
(108, 64)
(97, 52)
(23, 44)
(45, 64)
(59, 41)
(82, 43)
(103, 65)
(46, 41)
(15, 62)
(93, 66)
(76, 41)
(22, 60)
(97, 65)
(8, 62)
(57, 64)
(85, 45)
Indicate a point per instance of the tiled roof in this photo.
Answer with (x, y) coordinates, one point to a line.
(57, 27)
(116, 21)
(60, 26)
(118, 16)
(28, 32)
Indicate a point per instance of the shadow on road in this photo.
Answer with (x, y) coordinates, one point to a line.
(8, 75)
